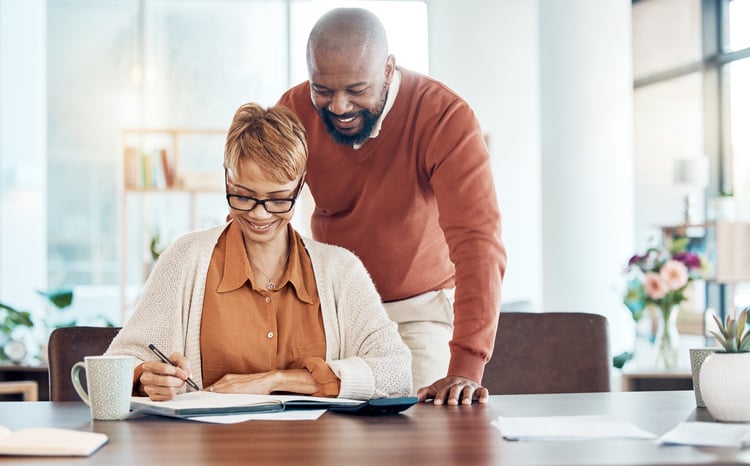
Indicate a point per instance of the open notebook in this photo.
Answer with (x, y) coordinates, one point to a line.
(48, 441)
(209, 403)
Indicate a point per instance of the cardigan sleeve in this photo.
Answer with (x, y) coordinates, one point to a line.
(374, 362)
(158, 315)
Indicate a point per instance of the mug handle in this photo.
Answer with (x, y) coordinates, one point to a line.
(76, 381)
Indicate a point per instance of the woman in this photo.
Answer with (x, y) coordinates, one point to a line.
(251, 307)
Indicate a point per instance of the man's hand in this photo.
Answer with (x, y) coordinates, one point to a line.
(454, 390)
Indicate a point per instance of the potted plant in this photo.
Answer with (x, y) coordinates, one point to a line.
(22, 330)
(12, 349)
(725, 375)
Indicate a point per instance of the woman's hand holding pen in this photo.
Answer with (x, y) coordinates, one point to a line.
(162, 381)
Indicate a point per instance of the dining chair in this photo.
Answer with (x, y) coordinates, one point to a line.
(549, 352)
(67, 346)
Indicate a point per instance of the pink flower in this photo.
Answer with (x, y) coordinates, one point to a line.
(675, 274)
(654, 286)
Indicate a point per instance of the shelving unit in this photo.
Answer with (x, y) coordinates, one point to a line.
(156, 163)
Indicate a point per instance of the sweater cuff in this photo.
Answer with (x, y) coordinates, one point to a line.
(357, 381)
(466, 364)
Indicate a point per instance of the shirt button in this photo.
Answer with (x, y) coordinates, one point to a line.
(268, 299)
(270, 335)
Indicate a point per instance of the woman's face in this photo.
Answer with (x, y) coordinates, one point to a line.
(248, 185)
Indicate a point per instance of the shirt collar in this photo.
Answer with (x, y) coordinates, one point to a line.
(237, 269)
(389, 100)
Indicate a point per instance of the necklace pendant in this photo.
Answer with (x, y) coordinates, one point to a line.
(271, 286)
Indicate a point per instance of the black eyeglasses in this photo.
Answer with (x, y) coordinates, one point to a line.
(272, 206)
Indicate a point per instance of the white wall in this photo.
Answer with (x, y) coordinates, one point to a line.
(551, 83)
(488, 52)
(23, 127)
(587, 157)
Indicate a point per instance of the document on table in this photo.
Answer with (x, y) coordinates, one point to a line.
(296, 415)
(708, 434)
(568, 428)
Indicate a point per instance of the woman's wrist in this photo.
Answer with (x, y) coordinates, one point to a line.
(278, 380)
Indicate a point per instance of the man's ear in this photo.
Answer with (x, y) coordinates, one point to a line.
(390, 68)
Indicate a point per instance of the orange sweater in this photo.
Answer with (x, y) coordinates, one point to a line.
(413, 202)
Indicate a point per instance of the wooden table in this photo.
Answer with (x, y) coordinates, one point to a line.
(424, 435)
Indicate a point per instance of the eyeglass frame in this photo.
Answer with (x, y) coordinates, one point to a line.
(262, 202)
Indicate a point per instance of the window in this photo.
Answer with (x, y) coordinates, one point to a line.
(119, 64)
(668, 109)
(737, 34)
(691, 98)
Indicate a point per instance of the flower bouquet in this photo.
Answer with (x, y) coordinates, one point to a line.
(659, 278)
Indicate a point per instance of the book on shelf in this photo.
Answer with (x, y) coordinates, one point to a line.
(144, 170)
(147, 172)
(131, 169)
(167, 170)
(48, 441)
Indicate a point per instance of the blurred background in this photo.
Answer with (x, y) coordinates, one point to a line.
(607, 120)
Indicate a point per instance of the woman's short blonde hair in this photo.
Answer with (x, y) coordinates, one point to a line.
(274, 138)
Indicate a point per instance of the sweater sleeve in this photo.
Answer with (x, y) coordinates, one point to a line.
(158, 315)
(374, 362)
(460, 174)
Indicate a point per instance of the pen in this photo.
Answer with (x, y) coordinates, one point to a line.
(166, 359)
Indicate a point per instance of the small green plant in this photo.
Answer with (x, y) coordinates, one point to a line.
(13, 318)
(734, 334)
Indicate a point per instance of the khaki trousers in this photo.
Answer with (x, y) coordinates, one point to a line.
(425, 323)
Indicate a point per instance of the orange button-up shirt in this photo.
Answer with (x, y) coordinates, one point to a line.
(247, 329)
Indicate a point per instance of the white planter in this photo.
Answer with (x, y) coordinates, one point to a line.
(725, 384)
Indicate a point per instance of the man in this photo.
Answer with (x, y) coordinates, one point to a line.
(401, 176)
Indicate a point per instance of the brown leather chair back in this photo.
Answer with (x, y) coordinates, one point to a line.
(67, 346)
(549, 352)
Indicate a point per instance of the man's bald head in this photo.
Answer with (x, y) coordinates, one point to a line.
(350, 72)
(350, 34)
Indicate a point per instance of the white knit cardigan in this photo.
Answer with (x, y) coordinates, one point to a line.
(363, 347)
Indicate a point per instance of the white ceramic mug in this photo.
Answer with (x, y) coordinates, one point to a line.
(109, 381)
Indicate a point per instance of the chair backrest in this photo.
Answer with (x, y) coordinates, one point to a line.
(549, 352)
(67, 346)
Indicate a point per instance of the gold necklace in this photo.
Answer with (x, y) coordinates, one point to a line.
(270, 284)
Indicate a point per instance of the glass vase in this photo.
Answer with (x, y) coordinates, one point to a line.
(667, 339)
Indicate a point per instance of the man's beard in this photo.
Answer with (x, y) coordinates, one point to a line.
(369, 120)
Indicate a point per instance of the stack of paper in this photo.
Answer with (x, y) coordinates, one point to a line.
(568, 428)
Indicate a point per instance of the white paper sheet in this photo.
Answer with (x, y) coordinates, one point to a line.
(296, 415)
(708, 434)
(568, 428)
